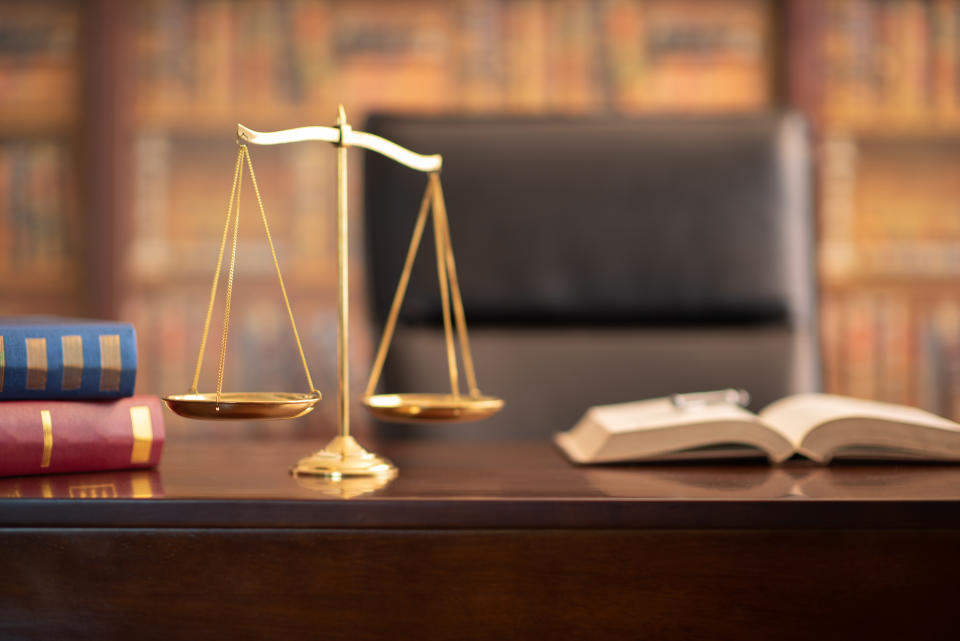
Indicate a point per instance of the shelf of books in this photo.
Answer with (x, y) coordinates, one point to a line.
(39, 254)
(201, 67)
(883, 95)
(889, 123)
(201, 64)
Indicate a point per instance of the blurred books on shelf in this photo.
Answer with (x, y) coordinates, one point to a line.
(198, 62)
(38, 65)
(879, 79)
(902, 349)
(201, 67)
(890, 208)
(181, 187)
(889, 121)
(891, 64)
(35, 228)
(39, 83)
(689, 56)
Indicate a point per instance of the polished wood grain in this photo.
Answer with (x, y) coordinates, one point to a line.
(246, 483)
(480, 541)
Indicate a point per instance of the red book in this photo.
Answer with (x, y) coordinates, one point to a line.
(49, 437)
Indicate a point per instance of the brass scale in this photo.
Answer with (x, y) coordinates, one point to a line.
(343, 457)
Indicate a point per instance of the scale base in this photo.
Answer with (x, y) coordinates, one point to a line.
(344, 457)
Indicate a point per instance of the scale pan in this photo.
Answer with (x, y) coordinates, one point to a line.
(242, 405)
(430, 408)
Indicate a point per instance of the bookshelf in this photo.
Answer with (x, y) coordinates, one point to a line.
(39, 89)
(138, 148)
(198, 68)
(881, 87)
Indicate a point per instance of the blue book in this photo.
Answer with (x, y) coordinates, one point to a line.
(49, 357)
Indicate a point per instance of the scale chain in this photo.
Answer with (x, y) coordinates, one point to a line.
(391, 324)
(434, 205)
(439, 241)
(234, 202)
(276, 264)
(230, 273)
(216, 274)
(461, 320)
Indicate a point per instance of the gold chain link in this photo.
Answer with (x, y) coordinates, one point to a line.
(276, 264)
(442, 271)
(401, 291)
(216, 274)
(461, 320)
(226, 307)
(432, 203)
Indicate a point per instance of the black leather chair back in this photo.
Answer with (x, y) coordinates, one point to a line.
(603, 260)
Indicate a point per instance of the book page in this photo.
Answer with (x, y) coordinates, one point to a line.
(659, 413)
(658, 429)
(692, 481)
(796, 416)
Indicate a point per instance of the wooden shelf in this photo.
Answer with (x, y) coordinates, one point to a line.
(903, 285)
(30, 283)
(36, 120)
(895, 131)
(320, 280)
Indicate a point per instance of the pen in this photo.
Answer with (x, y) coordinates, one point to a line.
(729, 396)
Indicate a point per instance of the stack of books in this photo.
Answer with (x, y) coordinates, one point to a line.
(66, 398)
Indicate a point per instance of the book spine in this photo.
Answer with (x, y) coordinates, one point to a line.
(51, 437)
(95, 361)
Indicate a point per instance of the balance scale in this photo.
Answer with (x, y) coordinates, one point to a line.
(343, 456)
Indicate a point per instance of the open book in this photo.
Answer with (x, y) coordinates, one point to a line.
(819, 426)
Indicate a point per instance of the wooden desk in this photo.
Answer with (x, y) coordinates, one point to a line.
(480, 541)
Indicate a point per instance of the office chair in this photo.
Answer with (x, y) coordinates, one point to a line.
(601, 261)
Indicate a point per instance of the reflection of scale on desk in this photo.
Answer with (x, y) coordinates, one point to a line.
(343, 456)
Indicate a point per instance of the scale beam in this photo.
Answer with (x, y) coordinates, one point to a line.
(348, 138)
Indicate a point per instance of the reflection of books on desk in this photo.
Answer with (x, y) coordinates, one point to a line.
(914, 481)
(136, 484)
(919, 481)
(818, 426)
(693, 482)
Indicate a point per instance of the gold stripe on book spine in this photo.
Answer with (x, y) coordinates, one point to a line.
(2, 363)
(36, 363)
(142, 428)
(110, 363)
(72, 362)
(47, 423)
